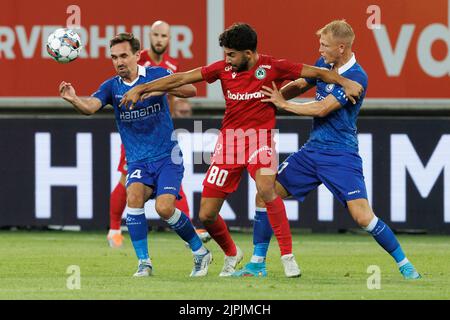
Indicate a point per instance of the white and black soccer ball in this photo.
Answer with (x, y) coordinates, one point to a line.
(64, 45)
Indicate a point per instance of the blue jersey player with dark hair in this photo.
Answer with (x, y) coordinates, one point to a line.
(155, 165)
(330, 156)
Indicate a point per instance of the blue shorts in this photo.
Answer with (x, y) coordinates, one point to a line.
(340, 171)
(163, 176)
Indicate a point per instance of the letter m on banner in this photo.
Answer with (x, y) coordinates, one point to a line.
(404, 158)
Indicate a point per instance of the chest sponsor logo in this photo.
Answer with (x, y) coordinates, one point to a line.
(244, 96)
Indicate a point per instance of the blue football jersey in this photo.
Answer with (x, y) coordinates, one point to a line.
(146, 131)
(337, 131)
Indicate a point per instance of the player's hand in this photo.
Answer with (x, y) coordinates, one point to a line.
(130, 98)
(273, 95)
(66, 91)
(353, 90)
(151, 94)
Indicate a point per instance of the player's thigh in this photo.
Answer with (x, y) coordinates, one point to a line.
(168, 178)
(297, 176)
(140, 183)
(341, 173)
(137, 194)
(165, 205)
(222, 178)
(122, 166)
(265, 184)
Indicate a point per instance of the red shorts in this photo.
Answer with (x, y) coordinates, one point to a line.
(230, 160)
(122, 167)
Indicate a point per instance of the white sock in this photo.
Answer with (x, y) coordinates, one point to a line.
(257, 259)
(403, 262)
(372, 224)
(200, 251)
(174, 218)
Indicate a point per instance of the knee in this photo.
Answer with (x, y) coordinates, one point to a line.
(266, 191)
(135, 200)
(363, 218)
(207, 217)
(259, 202)
(165, 209)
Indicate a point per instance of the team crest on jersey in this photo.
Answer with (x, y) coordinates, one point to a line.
(260, 73)
(329, 87)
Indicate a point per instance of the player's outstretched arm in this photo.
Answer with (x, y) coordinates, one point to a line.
(165, 84)
(313, 109)
(186, 91)
(352, 89)
(86, 106)
(295, 88)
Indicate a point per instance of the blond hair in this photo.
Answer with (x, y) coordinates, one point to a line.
(340, 30)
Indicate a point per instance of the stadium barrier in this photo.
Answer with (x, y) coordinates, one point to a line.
(60, 171)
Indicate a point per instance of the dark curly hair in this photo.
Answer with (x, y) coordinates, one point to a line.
(240, 37)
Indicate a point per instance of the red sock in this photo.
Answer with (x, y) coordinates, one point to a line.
(219, 232)
(276, 212)
(182, 204)
(117, 204)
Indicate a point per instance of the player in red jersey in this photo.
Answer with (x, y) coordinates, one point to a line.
(243, 73)
(156, 55)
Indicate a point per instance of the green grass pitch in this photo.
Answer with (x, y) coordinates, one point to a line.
(334, 266)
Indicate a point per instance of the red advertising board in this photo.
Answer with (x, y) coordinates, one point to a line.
(403, 45)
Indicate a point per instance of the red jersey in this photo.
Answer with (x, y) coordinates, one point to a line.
(244, 109)
(167, 62)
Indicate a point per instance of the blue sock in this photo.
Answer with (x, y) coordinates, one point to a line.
(181, 224)
(138, 229)
(262, 232)
(386, 238)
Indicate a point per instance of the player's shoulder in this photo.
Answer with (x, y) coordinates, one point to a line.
(219, 66)
(170, 59)
(357, 73)
(270, 60)
(144, 57)
(152, 71)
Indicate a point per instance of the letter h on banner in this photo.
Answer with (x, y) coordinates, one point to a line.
(48, 176)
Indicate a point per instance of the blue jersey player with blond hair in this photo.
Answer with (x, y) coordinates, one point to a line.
(330, 156)
(155, 165)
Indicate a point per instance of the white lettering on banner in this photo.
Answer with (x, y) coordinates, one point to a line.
(48, 176)
(183, 38)
(7, 40)
(96, 42)
(28, 46)
(215, 25)
(394, 58)
(404, 158)
(92, 39)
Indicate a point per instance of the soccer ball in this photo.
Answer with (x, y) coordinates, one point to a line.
(64, 45)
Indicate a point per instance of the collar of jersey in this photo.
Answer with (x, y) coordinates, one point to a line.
(348, 65)
(141, 72)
